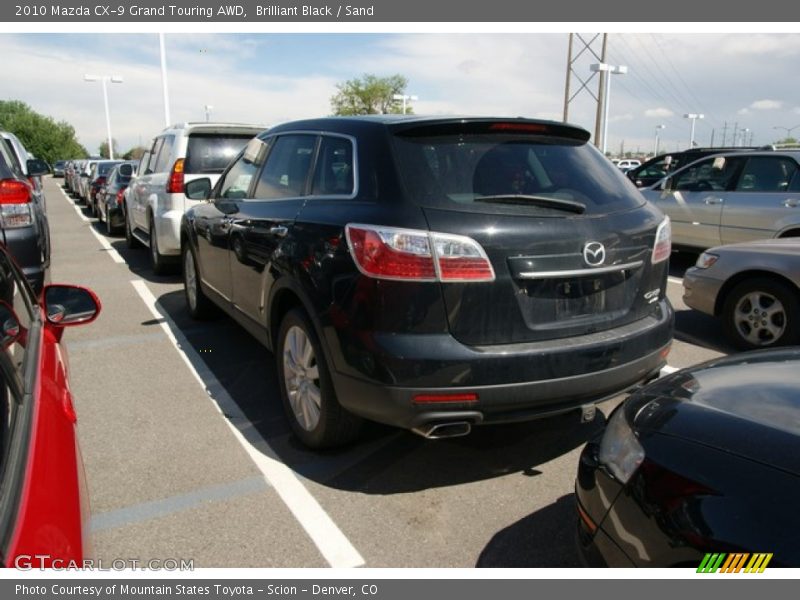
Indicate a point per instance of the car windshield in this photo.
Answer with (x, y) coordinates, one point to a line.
(211, 153)
(511, 173)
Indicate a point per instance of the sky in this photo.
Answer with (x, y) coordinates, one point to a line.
(738, 81)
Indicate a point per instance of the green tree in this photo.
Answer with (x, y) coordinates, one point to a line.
(41, 135)
(103, 148)
(134, 153)
(370, 95)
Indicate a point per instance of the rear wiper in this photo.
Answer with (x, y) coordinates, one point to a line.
(543, 201)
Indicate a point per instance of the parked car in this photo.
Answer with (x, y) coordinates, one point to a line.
(753, 287)
(432, 273)
(58, 168)
(732, 197)
(702, 461)
(658, 167)
(179, 154)
(44, 513)
(17, 154)
(625, 164)
(85, 177)
(23, 221)
(97, 180)
(74, 177)
(110, 197)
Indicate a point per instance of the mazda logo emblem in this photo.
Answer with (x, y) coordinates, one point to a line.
(594, 253)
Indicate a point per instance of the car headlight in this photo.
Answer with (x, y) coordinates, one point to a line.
(620, 452)
(705, 260)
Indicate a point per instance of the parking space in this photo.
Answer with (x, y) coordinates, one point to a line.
(188, 454)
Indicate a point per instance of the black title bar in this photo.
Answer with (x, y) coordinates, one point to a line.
(379, 11)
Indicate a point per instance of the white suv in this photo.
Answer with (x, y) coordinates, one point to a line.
(156, 200)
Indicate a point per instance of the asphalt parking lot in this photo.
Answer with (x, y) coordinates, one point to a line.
(188, 455)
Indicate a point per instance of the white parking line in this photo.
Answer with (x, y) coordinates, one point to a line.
(677, 280)
(115, 256)
(667, 371)
(328, 538)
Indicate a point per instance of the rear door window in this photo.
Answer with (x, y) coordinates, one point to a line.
(210, 153)
(334, 172)
(767, 174)
(162, 154)
(511, 173)
(285, 174)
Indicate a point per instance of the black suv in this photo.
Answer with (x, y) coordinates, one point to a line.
(23, 221)
(432, 273)
(660, 166)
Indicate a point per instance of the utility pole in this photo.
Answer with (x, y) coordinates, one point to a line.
(713, 131)
(735, 132)
(724, 134)
(599, 141)
(583, 48)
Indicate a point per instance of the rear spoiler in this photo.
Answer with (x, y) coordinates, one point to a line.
(490, 126)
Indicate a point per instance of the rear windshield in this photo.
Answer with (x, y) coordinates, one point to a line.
(105, 168)
(503, 173)
(211, 152)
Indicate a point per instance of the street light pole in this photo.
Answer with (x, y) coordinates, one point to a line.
(165, 87)
(609, 70)
(788, 130)
(693, 117)
(404, 98)
(655, 147)
(103, 79)
(208, 108)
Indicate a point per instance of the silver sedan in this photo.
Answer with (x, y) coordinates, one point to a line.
(754, 287)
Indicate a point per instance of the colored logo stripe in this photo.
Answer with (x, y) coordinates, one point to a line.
(733, 563)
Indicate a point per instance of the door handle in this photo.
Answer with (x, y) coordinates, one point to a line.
(791, 203)
(279, 230)
(713, 201)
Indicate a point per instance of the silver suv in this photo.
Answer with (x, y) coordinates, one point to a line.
(156, 201)
(732, 197)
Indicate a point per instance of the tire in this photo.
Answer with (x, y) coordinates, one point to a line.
(762, 313)
(130, 240)
(197, 303)
(309, 400)
(159, 262)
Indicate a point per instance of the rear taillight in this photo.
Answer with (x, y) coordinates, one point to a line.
(120, 197)
(175, 182)
(15, 198)
(13, 191)
(663, 246)
(416, 255)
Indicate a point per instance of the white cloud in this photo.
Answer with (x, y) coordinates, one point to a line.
(743, 111)
(658, 113)
(766, 105)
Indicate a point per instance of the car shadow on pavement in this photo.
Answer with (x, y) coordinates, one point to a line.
(545, 538)
(384, 460)
(700, 329)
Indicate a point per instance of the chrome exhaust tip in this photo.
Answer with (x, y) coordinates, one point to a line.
(438, 431)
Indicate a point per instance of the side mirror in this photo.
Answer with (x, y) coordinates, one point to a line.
(9, 325)
(66, 305)
(198, 189)
(37, 167)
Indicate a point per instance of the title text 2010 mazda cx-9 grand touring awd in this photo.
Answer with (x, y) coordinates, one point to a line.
(432, 274)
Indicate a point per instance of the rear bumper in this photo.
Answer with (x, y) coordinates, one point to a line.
(509, 383)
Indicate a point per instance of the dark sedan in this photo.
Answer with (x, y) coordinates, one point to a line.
(109, 198)
(704, 461)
